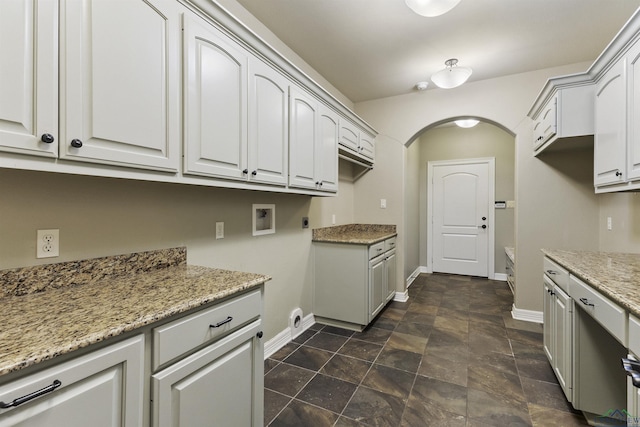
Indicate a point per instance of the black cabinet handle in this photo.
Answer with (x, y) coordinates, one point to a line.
(76, 143)
(246, 171)
(31, 396)
(47, 138)
(618, 173)
(225, 321)
(254, 173)
(484, 218)
(259, 334)
(586, 302)
(552, 272)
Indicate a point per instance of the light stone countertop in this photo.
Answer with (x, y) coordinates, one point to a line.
(355, 234)
(615, 275)
(511, 253)
(39, 324)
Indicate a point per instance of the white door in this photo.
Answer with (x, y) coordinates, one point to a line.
(302, 140)
(461, 226)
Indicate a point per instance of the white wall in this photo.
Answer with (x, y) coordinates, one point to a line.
(624, 210)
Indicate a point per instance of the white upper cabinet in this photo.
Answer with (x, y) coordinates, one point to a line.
(29, 82)
(215, 102)
(633, 90)
(610, 126)
(119, 82)
(268, 152)
(328, 131)
(356, 142)
(313, 149)
(302, 145)
(236, 109)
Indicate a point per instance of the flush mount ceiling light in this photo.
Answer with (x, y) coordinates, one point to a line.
(467, 123)
(431, 8)
(452, 75)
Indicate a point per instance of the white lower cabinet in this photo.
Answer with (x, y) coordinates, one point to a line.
(200, 369)
(101, 388)
(558, 334)
(220, 385)
(353, 282)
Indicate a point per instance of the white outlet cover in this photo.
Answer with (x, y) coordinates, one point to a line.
(48, 243)
(219, 230)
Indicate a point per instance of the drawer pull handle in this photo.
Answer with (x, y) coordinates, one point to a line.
(28, 397)
(586, 302)
(552, 272)
(217, 325)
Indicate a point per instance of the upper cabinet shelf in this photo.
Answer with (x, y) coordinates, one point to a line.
(563, 114)
(194, 98)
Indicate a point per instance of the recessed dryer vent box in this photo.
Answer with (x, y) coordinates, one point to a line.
(264, 219)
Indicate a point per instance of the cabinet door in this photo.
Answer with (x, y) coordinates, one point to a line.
(563, 357)
(119, 83)
(268, 124)
(610, 127)
(102, 388)
(633, 140)
(548, 326)
(328, 150)
(349, 136)
(302, 143)
(546, 125)
(367, 146)
(377, 295)
(220, 385)
(29, 83)
(215, 102)
(391, 265)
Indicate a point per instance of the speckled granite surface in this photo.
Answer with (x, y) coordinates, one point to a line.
(358, 234)
(615, 275)
(93, 305)
(511, 253)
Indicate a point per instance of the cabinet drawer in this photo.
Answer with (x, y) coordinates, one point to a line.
(634, 334)
(375, 250)
(608, 314)
(182, 335)
(390, 244)
(559, 275)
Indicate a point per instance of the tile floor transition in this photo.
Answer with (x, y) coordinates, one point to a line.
(450, 356)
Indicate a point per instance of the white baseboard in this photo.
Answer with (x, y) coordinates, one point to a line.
(527, 315)
(401, 296)
(284, 337)
(500, 276)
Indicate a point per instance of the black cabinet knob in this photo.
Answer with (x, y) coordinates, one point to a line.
(484, 218)
(484, 226)
(246, 171)
(47, 138)
(618, 173)
(259, 334)
(254, 173)
(76, 143)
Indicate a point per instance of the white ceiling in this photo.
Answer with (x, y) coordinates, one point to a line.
(371, 49)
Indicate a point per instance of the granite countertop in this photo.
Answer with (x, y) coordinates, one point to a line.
(54, 309)
(356, 234)
(511, 253)
(615, 275)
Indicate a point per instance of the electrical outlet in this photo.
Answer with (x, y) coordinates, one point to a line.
(47, 243)
(219, 230)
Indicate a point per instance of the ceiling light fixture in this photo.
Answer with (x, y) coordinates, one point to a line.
(452, 75)
(431, 8)
(422, 85)
(467, 123)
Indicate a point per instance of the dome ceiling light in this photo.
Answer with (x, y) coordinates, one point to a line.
(431, 8)
(467, 123)
(452, 75)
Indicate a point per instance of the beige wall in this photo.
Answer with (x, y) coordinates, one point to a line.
(484, 140)
(102, 216)
(412, 209)
(624, 210)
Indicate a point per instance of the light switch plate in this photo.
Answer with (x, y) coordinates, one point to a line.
(219, 230)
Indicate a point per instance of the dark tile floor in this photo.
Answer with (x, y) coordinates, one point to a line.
(450, 356)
